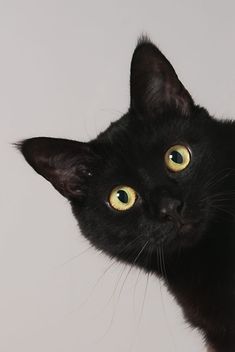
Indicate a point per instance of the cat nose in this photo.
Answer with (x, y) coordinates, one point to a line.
(170, 209)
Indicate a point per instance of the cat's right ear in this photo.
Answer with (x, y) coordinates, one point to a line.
(155, 86)
(67, 164)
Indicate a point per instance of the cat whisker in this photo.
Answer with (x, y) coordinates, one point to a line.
(123, 283)
(115, 305)
(141, 313)
(161, 262)
(146, 287)
(221, 194)
(223, 210)
(132, 265)
(210, 184)
(164, 264)
(134, 289)
(92, 289)
(144, 298)
(112, 297)
(76, 256)
(109, 267)
(148, 257)
(218, 198)
(162, 269)
(221, 200)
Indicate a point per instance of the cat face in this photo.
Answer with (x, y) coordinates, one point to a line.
(137, 197)
(147, 181)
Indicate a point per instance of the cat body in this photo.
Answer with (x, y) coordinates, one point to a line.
(155, 190)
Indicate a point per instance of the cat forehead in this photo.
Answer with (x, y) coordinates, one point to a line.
(133, 134)
(131, 144)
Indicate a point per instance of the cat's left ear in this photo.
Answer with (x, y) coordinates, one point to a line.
(67, 164)
(155, 86)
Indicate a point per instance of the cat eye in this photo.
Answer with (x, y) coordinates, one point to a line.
(122, 198)
(177, 158)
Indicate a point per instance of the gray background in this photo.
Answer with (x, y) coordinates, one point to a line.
(64, 71)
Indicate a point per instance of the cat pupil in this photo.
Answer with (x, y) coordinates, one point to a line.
(122, 196)
(176, 157)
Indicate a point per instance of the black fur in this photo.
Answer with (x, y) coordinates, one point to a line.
(196, 258)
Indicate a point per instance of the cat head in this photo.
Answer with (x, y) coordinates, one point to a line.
(147, 181)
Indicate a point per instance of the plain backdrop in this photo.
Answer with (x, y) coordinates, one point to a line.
(64, 72)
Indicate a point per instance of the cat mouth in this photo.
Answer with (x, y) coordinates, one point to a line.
(184, 228)
(175, 231)
(182, 231)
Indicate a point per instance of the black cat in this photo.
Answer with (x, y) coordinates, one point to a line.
(157, 190)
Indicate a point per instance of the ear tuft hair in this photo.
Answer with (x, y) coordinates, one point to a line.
(143, 39)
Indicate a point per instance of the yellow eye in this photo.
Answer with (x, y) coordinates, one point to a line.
(177, 158)
(122, 198)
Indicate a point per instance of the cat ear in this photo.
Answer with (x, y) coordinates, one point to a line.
(65, 163)
(155, 86)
